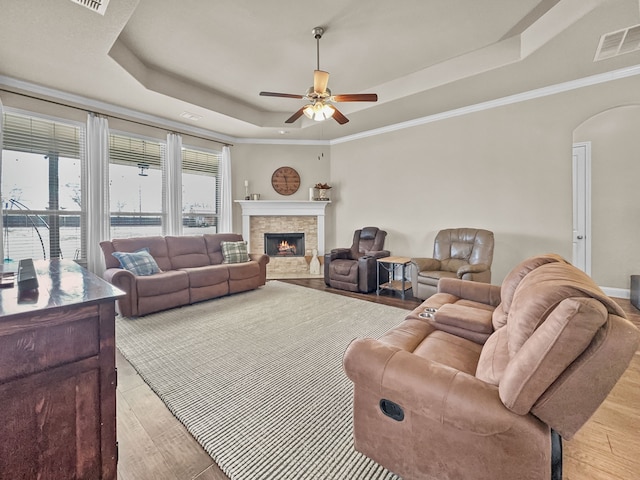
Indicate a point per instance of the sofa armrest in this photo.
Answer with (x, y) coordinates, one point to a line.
(378, 254)
(261, 258)
(126, 281)
(427, 388)
(462, 317)
(340, 253)
(472, 268)
(368, 271)
(428, 264)
(468, 290)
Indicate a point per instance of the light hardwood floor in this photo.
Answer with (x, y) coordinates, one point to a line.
(153, 445)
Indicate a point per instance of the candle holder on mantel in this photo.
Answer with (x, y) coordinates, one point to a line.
(322, 190)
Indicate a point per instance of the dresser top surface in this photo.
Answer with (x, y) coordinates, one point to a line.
(61, 283)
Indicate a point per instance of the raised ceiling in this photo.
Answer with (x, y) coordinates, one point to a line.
(165, 58)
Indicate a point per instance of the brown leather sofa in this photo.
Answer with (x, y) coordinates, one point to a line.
(465, 253)
(481, 382)
(355, 268)
(192, 271)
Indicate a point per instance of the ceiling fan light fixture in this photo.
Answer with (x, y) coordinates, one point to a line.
(318, 94)
(319, 111)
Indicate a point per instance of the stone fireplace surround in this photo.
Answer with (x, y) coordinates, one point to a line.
(284, 216)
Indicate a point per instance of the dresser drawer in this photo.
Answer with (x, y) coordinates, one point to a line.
(35, 344)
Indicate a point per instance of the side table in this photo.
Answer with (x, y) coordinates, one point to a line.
(390, 264)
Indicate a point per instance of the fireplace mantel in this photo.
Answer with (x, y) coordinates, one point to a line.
(283, 208)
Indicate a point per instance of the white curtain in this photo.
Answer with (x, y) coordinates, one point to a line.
(97, 190)
(1, 206)
(172, 187)
(226, 199)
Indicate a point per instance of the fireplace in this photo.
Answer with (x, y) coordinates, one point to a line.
(284, 244)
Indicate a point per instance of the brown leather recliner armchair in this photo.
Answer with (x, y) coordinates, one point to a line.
(482, 382)
(465, 253)
(355, 268)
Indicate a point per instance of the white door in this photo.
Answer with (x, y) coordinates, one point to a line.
(582, 206)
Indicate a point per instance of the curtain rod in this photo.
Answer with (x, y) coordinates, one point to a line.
(226, 144)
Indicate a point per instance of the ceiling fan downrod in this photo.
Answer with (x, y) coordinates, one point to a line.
(317, 34)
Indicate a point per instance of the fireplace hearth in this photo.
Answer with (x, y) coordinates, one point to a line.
(284, 244)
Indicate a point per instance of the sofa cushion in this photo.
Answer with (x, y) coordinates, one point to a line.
(345, 270)
(539, 293)
(494, 358)
(513, 279)
(214, 249)
(242, 271)
(564, 335)
(234, 252)
(157, 247)
(187, 251)
(432, 277)
(139, 263)
(207, 275)
(162, 283)
(450, 350)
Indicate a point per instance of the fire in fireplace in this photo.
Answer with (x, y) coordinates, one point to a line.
(284, 244)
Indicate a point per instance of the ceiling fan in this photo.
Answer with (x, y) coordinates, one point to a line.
(320, 96)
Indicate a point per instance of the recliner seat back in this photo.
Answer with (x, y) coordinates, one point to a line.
(456, 247)
(548, 358)
(368, 239)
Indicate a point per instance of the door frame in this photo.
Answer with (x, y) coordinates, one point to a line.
(581, 172)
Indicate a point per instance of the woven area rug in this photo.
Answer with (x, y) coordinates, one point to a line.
(257, 378)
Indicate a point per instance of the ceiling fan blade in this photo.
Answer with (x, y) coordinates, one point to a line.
(355, 97)
(339, 117)
(285, 95)
(320, 81)
(295, 116)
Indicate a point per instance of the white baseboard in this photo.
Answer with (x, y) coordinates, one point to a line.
(616, 292)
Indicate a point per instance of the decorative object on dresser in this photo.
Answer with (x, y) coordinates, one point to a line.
(285, 181)
(355, 269)
(191, 268)
(489, 379)
(58, 377)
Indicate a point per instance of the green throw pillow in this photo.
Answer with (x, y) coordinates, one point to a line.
(234, 252)
(139, 263)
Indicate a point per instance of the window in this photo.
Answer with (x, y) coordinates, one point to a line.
(200, 191)
(42, 212)
(135, 186)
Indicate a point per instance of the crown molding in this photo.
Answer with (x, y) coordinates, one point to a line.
(97, 106)
(498, 102)
(107, 108)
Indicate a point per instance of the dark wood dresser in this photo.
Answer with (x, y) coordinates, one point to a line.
(58, 377)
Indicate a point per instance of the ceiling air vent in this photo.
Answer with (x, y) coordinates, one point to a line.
(98, 6)
(616, 43)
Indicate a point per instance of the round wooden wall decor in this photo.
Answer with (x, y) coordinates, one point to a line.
(285, 181)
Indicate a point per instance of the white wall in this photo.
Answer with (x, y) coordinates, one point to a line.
(507, 169)
(615, 202)
(256, 163)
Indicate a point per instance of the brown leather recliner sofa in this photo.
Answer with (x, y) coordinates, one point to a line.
(481, 382)
(192, 270)
(465, 253)
(355, 268)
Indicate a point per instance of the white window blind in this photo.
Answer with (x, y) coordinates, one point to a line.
(135, 185)
(200, 190)
(41, 188)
